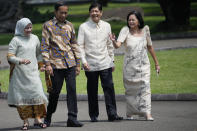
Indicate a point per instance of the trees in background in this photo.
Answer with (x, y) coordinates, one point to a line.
(176, 12)
(103, 2)
(9, 12)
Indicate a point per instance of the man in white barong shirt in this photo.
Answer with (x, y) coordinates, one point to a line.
(97, 58)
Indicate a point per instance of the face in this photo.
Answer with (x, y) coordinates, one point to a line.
(133, 21)
(28, 30)
(61, 13)
(95, 14)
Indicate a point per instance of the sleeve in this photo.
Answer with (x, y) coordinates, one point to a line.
(123, 34)
(81, 42)
(12, 51)
(75, 46)
(45, 45)
(110, 46)
(38, 50)
(148, 37)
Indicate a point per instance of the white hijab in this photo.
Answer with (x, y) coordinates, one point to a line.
(20, 26)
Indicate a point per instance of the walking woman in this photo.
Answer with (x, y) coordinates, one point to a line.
(136, 70)
(25, 87)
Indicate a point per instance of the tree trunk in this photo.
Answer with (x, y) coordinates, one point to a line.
(103, 2)
(9, 12)
(176, 12)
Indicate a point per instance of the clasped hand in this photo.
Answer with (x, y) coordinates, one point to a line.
(25, 61)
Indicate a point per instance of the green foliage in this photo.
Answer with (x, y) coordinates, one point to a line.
(178, 74)
(5, 38)
(32, 12)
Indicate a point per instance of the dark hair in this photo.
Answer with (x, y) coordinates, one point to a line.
(138, 16)
(94, 5)
(60, 3)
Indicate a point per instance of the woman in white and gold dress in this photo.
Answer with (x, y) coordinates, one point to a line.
(25, 87)
(136, 70)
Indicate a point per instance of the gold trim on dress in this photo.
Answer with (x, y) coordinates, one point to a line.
(11, 64)
(31, 111)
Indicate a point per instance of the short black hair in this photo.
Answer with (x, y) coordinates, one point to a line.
(60, 3)
(94, 5)
(138, 16)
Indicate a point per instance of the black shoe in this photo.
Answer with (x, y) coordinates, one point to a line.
(115, 117)
(94, 119)
(73, 123)
(47, 122)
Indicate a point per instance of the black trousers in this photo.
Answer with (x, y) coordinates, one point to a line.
(69, 75)
(108, 89)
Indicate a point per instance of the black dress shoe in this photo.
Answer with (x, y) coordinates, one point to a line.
(115, 117)
(94, 119)
(47, 122)
(73, 123)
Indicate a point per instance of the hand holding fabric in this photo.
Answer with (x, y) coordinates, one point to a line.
(49, 70)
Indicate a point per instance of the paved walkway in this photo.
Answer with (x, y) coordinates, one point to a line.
(169, 116)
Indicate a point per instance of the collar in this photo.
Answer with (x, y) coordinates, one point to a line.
(55, 21)
(98, 25)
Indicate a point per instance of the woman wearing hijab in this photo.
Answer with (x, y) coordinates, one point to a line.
(25, 87)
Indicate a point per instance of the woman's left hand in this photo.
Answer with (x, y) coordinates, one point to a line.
(157, 68)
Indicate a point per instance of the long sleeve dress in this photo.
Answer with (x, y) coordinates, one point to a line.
(136, 71)
(25, 87)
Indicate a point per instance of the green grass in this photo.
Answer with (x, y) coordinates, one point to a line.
(178, 74)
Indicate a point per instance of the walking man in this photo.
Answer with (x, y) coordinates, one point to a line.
(60, 53)
(97, 58)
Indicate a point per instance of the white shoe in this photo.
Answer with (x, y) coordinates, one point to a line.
(129, 118)
(150, 119)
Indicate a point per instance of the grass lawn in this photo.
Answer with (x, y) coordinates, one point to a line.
(178, 74)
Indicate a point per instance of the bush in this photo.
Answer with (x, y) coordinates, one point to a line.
(31, 12)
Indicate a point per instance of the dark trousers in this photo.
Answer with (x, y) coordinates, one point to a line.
(108, 89)
(69, 75)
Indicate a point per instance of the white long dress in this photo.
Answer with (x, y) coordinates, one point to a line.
(25, 87)
(136, 71)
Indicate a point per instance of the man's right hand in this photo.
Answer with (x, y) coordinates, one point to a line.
(86, 66)
(49, 70)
